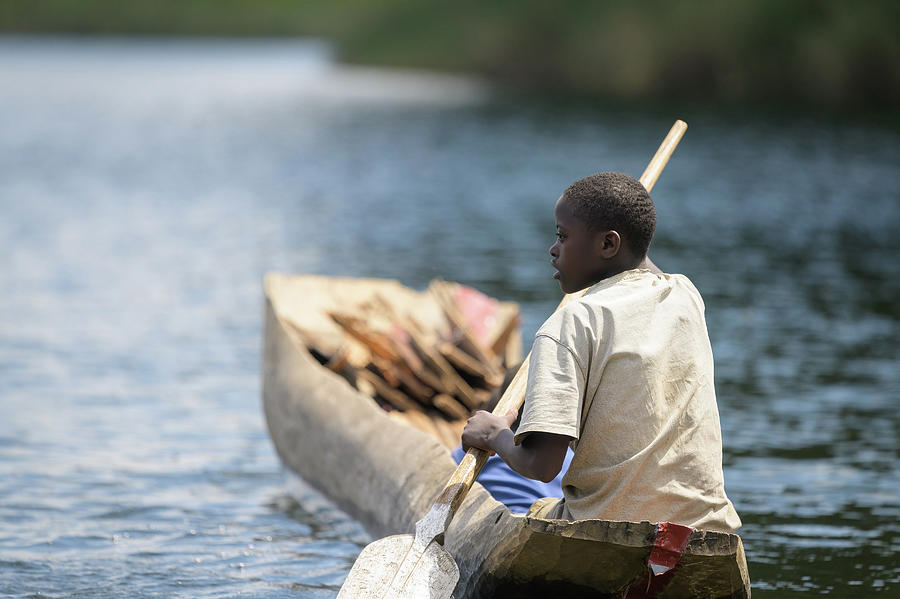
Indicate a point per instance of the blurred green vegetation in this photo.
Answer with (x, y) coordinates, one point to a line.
(816, 54)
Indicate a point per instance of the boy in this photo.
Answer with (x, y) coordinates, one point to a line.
(624, 374)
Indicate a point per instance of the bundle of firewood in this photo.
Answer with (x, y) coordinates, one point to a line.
(406, 366)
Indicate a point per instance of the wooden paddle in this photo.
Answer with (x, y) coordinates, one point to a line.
(410, 567)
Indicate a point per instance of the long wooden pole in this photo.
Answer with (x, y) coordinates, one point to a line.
(661, 158)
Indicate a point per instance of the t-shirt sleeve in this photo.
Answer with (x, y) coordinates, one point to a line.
(555, 390)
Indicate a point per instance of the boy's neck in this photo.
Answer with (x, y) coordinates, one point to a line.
(624, 263)
(619, 268)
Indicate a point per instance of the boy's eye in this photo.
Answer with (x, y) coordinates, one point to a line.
(560, 236)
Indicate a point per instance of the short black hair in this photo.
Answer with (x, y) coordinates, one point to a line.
(615, 201)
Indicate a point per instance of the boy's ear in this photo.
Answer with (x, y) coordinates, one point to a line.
(607, 244)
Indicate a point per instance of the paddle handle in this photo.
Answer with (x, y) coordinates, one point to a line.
(659, 160)
(456, 488)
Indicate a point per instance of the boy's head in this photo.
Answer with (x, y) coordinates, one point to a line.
(604, 224)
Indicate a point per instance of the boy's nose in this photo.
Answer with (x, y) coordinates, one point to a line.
(554, 250)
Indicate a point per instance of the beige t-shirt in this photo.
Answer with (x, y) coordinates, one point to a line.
(627, 372)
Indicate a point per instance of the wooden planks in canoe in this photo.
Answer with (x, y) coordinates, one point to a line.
(385, 472)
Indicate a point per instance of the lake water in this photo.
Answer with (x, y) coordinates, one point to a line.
(146, 187)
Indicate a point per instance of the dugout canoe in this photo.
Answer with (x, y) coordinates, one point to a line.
(386, 473)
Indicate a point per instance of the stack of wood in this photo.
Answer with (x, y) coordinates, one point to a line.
(441, 373)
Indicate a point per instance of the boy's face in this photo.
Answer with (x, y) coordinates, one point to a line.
(581, 257)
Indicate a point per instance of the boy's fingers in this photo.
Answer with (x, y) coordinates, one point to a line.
(511, 417)
(476, 414)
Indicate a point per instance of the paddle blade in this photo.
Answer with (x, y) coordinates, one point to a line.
(432, 573)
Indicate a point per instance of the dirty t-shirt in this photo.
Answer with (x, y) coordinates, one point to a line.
(627, 372)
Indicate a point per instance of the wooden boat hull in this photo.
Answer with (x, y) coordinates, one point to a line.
(385, 474)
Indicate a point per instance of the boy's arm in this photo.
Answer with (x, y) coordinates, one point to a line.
(540, 456)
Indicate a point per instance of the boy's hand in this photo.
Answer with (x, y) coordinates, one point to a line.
(483, 427)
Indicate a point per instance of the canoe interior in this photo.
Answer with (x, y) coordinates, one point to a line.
(387, 340)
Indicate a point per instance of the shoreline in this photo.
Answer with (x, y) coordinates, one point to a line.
(838, 60)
